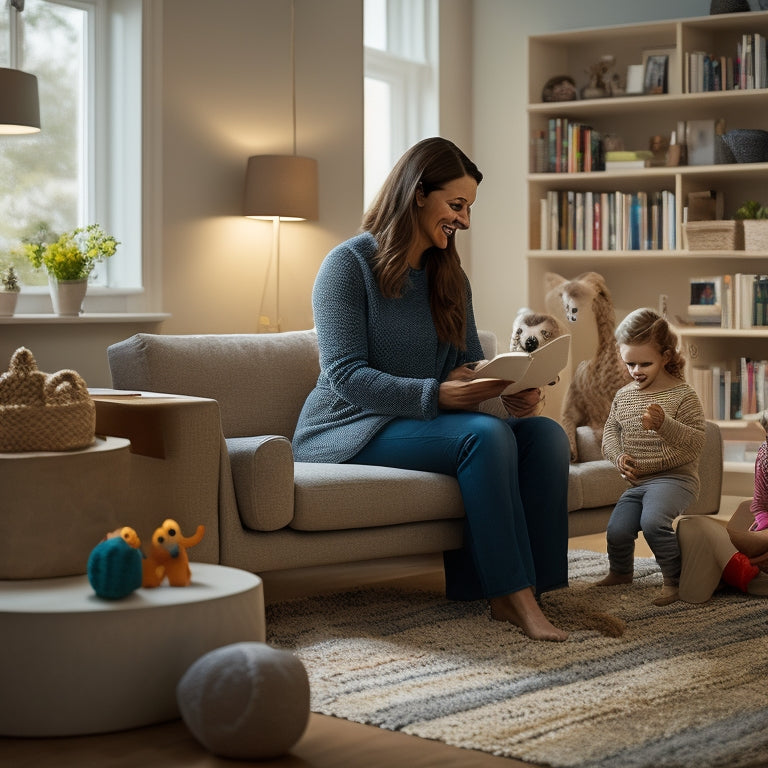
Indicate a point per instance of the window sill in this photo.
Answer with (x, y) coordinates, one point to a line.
(85, 318)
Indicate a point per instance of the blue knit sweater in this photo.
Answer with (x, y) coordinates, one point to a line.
(380, 358)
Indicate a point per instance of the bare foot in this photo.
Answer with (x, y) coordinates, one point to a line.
(613, 578)
(751, 543)
(522, 610)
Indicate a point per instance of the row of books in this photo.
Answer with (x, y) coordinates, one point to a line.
(747, 71)
(727, 394)
(608, 221)
(567, 147)
(740, 301)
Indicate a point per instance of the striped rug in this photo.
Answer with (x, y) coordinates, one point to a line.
(683, 685)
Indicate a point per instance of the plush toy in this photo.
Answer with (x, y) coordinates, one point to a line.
(115, 564)
(533, 329)
(168, 555)
(596, 379)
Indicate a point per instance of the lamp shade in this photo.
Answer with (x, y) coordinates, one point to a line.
(19, 103)
(281, 186)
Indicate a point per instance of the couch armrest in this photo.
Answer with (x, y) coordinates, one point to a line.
(262, 474)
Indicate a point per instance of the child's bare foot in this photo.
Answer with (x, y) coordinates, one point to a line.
(522, 610)
(750, 543)
(613, 578)
(668, 595)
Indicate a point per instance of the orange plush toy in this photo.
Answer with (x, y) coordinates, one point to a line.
(168, 556)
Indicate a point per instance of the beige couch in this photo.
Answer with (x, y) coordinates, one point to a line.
(223, 458)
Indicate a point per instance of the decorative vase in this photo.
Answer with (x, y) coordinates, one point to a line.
(8, 301)
(67, 295)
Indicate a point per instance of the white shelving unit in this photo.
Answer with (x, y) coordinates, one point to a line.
(638, 278)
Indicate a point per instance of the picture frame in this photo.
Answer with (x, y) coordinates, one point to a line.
(705, 305)
(656, 74)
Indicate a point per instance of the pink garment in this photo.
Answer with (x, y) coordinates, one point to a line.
(759, 506)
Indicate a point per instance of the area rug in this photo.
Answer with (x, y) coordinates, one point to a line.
(683, 685)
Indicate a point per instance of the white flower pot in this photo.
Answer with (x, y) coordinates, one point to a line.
(8, 301)
(67, 295)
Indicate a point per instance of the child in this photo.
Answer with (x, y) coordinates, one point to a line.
(759, 506)
(654, 435)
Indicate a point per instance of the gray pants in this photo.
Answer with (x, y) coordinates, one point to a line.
(651, 508)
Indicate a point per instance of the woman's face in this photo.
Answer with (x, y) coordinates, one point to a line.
(443, 211)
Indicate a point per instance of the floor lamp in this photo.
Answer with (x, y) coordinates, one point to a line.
(280, 188)
(19, 102)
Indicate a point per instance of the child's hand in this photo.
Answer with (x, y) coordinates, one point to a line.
(626, 465)
(653, 417)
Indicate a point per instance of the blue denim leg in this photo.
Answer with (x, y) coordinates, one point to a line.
(651, 508)
(513, 477)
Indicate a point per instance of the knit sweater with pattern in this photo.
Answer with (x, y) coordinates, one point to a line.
(672, 451)
(380, 357)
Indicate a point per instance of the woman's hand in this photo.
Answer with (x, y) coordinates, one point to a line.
(626, 465)
(462, 394)
(529, 402)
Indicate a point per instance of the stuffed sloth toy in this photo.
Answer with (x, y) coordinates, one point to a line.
(532, 330)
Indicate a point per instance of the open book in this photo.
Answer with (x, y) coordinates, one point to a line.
(528, 369)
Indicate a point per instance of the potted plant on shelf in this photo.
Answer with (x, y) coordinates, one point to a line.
(9, 292)
(69, 261)
(754, 219)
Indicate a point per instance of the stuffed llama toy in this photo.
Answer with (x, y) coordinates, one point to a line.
(586, 299)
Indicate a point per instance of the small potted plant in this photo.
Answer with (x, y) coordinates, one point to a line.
(9, 291)
(754, 219)
(69, 261)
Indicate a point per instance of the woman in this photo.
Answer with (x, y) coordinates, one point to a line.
(398, 341)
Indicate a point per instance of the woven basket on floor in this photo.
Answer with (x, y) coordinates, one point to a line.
(43, 412)
(719, 235)
(755, 234)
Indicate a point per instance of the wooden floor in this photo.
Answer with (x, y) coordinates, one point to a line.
(328, 742)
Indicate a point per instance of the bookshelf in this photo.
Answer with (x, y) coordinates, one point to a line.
(639, 276)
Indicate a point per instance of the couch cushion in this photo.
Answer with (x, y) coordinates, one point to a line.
(342, 496)
(259, 380)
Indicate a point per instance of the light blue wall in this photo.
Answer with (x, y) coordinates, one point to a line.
(500, 146)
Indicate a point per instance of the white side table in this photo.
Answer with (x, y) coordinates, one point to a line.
(74, 664)
(57, 506)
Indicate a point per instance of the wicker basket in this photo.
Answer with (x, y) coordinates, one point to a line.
(755, 234)
(43, 412)
(719, 235)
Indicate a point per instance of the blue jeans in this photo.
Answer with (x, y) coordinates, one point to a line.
(513, 475)
(651, 508)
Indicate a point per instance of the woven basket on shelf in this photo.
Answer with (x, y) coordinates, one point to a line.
(43, 412)
(719, 235)
(755, 234)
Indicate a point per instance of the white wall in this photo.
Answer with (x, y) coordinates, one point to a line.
(499, 224)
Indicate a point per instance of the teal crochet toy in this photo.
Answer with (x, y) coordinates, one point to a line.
(115, 565)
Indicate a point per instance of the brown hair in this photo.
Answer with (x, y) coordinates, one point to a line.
(392, 220)
(646, 326)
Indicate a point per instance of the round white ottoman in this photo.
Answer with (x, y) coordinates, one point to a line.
(74, 664)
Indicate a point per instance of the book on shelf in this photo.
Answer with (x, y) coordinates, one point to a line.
(572, 147)
(528, 369)
(745, 69)
(741, 301)
(609, 221)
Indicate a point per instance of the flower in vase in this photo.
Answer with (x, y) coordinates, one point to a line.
(74, 255)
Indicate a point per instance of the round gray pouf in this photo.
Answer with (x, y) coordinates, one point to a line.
(247, 701)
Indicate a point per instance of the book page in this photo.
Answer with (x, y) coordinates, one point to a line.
(537, 369)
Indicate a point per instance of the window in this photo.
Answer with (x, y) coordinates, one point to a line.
(400, 38)
(85, 164)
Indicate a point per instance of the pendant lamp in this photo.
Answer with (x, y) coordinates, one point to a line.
(19, 102)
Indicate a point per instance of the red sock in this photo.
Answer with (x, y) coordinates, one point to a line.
(738, 571)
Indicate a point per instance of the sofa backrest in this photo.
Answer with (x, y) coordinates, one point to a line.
(259, 380)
